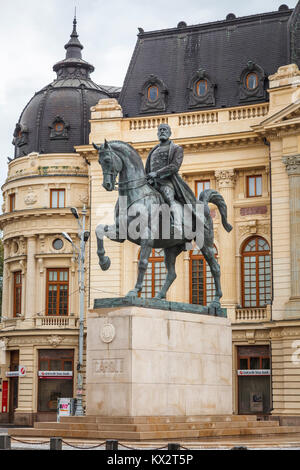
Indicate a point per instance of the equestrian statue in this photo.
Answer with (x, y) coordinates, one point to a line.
(159, 186)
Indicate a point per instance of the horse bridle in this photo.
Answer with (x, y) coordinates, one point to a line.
(115, 172)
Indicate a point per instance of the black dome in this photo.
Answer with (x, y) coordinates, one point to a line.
(57, 117)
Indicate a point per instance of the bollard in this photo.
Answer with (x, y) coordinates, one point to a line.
(111, 445)
(5, 442)
(173, 446)
(55, 443)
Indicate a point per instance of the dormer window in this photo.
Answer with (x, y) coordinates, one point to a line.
(201, 87)
(201, 90)
(152, 93)
(59, 129)
(20, 135)
(252, 81)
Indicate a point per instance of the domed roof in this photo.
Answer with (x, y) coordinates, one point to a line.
(57, 117)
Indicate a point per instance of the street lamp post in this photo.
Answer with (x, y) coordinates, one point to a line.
(84, 236)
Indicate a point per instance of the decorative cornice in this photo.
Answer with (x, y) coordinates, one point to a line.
(292, 164)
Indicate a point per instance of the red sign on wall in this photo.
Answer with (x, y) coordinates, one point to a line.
(4, 397)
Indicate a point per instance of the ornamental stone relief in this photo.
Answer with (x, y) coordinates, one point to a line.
(292, 164)
(84, 198)
(254, 228)
(226, 178)
(107, 333)
(31, 197)
(55, 340)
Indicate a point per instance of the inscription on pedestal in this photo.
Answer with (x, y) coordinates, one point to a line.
(108, 366)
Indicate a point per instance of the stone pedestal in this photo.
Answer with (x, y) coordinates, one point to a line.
(151, 362)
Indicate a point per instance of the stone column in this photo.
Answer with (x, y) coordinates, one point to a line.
(226, 180)
(30, 278)
(292, 164)
(5, 288)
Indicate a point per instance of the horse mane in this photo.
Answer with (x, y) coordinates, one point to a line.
(131, 153)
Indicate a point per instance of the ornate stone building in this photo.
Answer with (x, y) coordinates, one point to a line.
(230, 91)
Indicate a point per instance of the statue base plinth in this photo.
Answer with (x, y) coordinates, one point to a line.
(160, 305)
(144, 361)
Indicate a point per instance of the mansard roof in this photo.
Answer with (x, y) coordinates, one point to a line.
(221, 50)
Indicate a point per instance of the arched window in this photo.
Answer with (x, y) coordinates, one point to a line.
(256, 273)
(202, 286)
(155, 274)
(59, 126)
(252, 81)
(152, 93)
(201, 87)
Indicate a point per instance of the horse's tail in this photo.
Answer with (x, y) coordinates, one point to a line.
(211, 195)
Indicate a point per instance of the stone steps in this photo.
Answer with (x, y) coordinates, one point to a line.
(158, 419)
(157, 427)
(136, 436)
(152, 428)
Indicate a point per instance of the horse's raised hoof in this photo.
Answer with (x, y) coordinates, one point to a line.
(105, 265)
(132, 293)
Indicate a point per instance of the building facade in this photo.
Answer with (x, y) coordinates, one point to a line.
(230, 91)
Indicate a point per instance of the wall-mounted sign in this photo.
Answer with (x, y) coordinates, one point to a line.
(65, 407)
(55, 374)
(254, 372)
(256, 401)
(21, 372)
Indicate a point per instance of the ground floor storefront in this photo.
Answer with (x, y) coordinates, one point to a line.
(38, 369)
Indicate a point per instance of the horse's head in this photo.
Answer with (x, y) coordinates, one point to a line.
(110, 163)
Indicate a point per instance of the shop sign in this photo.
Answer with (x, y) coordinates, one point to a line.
(21, 372)
(254, 372)
(55, 374)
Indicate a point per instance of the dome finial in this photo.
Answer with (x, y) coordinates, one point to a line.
(74, 46)
(74, 32)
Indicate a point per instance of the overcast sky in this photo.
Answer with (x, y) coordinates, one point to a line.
(33, 34)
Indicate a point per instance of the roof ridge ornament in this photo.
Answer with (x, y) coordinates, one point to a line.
(73, 66)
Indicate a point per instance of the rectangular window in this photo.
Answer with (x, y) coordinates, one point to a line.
(57, 198)
(254, 186)
(57, 292)
(201, 186)
(12, 202)
(17, 293)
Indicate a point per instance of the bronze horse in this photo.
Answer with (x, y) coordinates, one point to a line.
(119, 158)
